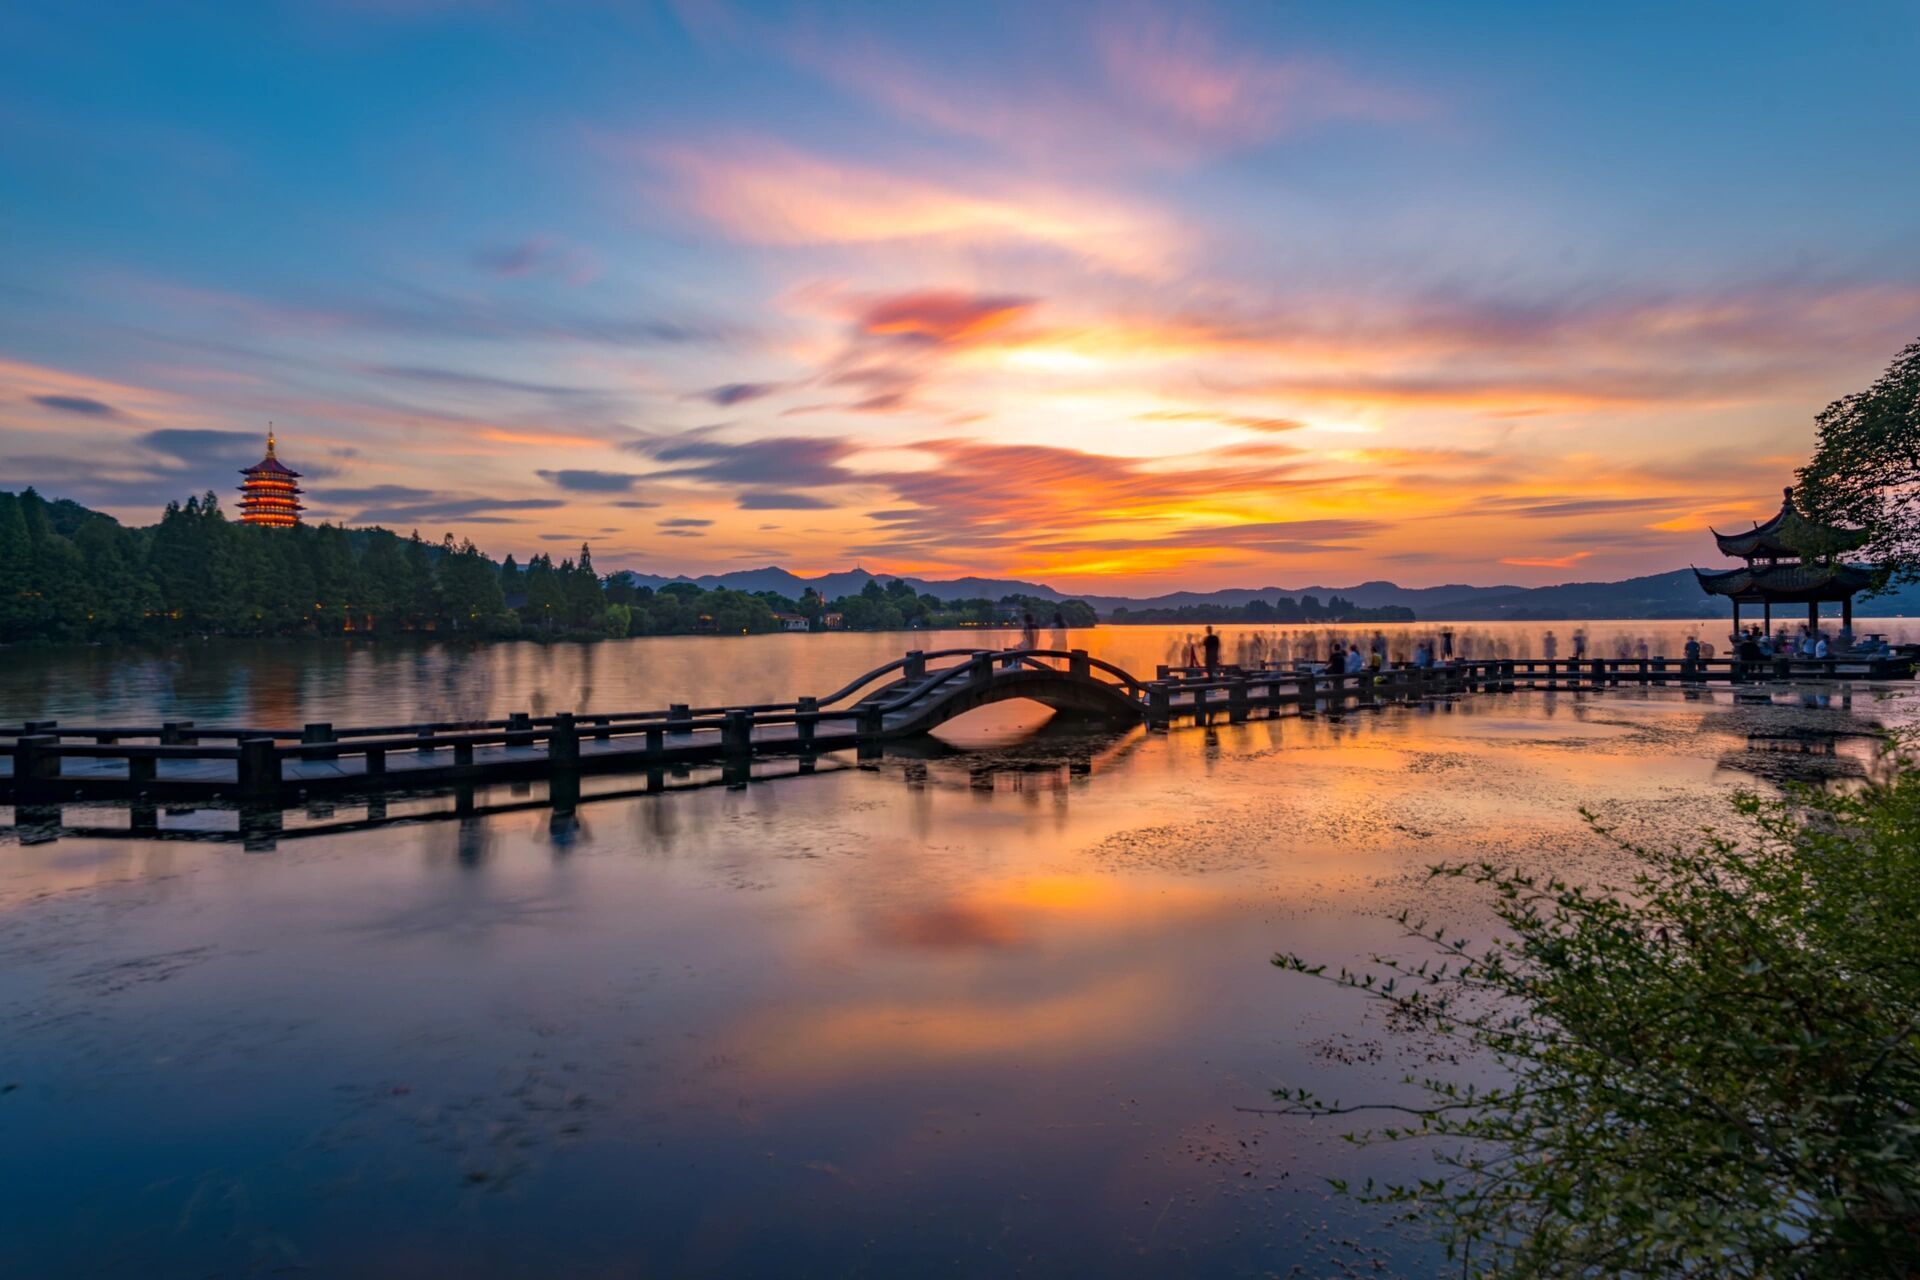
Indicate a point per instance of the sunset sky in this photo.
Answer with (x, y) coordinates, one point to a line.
(1115, 297)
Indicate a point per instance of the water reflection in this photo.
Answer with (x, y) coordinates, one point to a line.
(936, 1011)
(281, 684)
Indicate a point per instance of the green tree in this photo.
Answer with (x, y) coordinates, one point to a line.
(586, 603)
(1713, 1071)
(1865, 469)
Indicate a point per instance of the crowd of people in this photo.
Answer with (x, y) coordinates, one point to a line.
(1353, 652)
(1755, 644)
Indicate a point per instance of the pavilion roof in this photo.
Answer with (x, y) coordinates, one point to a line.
(1786, 583)
(1790, 535)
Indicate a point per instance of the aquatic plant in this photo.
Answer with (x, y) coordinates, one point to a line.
(1713, 1070)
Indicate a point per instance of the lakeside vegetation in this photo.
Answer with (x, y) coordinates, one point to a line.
(70, 574)
(1713, 1070)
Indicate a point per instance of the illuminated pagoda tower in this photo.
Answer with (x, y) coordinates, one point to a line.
(269, 495)
(1790, 560)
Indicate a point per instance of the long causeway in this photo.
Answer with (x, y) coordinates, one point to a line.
(44, 761)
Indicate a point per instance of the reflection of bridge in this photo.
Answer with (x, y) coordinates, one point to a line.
(903, 699)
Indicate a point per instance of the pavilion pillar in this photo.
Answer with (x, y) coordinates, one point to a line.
(1766, 614)
(1813, 616)
(1736, 621)
(1846, 614)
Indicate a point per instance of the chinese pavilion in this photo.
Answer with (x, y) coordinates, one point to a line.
(269, 495)
(1790, 560)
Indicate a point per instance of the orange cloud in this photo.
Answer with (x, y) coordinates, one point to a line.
(1548, 562)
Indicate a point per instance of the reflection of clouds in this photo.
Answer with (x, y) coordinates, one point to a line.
(1006, 913)
(1097, 989)
(896, 1033)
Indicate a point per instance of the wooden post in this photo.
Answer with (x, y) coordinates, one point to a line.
(602, 728)
(1337, 692)
(36, 766)
(1237, 700)
(872, 721)
(463, 755)
(563, 744)
(736, 735)
(425, 739)
(916, 668)
(376, 758)
(656, 741)
(980, 668)
(806, 720)
(259, 769)
(1078, 665)
(679, 718)
(1782, 667)
(1159, 704)
(519, 729)
(141, 769)
(174, 733)
(318, 732)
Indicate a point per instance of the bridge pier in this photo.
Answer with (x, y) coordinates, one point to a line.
(1159, 704)
(36, 769)
(259, 767)
(736, 735)
(316, 733)
(563, 744)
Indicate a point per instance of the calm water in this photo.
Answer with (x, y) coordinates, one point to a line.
(279, 684)
(956, 1012)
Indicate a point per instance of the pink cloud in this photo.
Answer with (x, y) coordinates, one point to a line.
(765, 192)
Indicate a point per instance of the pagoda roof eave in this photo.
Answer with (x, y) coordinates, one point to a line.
(1789, 534)
(1787, 583)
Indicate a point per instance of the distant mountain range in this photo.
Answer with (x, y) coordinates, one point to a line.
(1660, 595)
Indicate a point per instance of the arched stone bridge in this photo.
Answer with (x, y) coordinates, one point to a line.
(922, 691)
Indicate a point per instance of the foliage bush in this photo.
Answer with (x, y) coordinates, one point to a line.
(1711, 1071)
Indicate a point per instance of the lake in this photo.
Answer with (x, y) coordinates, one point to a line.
(996, 1005)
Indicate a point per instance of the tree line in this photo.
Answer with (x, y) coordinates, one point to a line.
(68, 573)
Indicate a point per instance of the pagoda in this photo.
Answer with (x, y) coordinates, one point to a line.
(1790, 560)
(269, 495)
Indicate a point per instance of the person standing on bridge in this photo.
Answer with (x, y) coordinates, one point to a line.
(1029, 631)
(1210, 650)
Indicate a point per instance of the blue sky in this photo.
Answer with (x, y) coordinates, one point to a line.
(1115, 296)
